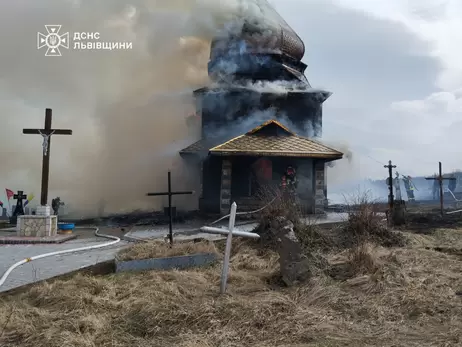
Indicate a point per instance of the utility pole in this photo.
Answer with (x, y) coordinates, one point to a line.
(390, 168)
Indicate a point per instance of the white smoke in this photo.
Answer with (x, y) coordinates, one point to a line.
(127, 108)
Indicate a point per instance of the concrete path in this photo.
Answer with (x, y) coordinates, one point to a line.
(49, 267)
(185, 231)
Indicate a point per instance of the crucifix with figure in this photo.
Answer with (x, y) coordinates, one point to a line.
(170, 194)
(46, 133)
(440, 179)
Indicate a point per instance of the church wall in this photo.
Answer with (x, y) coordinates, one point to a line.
(228, 113)
(209, 201)
(248, 197)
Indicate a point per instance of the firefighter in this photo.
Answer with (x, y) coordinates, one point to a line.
(291, 178)
(409, 188)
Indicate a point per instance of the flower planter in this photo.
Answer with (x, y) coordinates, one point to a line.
(168, 263)
(65, 228)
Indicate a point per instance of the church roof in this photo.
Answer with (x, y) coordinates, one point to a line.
(196, 147)
(269, 139)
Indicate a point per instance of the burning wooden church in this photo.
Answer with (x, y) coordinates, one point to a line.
(261, 119)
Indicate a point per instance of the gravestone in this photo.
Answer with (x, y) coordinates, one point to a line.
(18, 208)
(296, 265)
(398, 215)
(4, 215)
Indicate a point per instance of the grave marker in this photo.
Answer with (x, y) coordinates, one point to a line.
(4, 215)
(230, 232)
(440, 179)
(18, 208)
(46, 133)
(169, 193)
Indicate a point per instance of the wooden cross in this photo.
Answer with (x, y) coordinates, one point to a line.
(46, 133)
(19, 210)
(391, 198)
(170, 194)
(440, 179)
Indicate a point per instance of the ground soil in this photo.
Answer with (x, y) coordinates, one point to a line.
(397, 296)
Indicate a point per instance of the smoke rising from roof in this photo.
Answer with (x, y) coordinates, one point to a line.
(127, 108)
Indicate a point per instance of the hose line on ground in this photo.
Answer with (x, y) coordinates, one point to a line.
(244, 213)
(73, 250)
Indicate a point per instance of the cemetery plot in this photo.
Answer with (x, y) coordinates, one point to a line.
(366, 286)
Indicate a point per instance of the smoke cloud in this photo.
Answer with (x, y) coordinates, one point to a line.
(127, 108)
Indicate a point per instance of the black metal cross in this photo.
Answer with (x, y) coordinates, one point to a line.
(19, 209)
(440, 179)
(170, 194)
(46, 134)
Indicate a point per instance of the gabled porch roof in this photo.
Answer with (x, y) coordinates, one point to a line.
(269, 139)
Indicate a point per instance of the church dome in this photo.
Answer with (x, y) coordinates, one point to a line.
(262, 31)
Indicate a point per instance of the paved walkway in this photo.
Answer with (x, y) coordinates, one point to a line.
(49, 267)
(190, 230)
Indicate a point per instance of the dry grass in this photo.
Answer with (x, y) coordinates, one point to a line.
(397, 297)
(158, 249)
(366, 224)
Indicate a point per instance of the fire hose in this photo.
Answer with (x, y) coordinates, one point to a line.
(110, 243)
(73, 250)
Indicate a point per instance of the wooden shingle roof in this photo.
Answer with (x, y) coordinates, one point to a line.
(288, 145)
(269, 139)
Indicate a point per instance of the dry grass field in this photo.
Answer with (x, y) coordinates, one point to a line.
(369, 295)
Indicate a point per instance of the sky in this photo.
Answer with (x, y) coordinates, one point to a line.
(395, 71)
(393, 67)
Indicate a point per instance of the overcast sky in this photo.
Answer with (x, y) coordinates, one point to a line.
(394, 68)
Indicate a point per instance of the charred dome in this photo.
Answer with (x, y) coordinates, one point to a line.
(258, 46)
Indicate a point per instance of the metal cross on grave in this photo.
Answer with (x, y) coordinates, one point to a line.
(46, 133)
(440, 179)
(169, 193)
(19, 208)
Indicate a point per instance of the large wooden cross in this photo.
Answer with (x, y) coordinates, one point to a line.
(440, 179)
(170, 194)
(46, 133)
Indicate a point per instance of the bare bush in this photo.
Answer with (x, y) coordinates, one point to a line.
(366, 222)
(279, 205)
